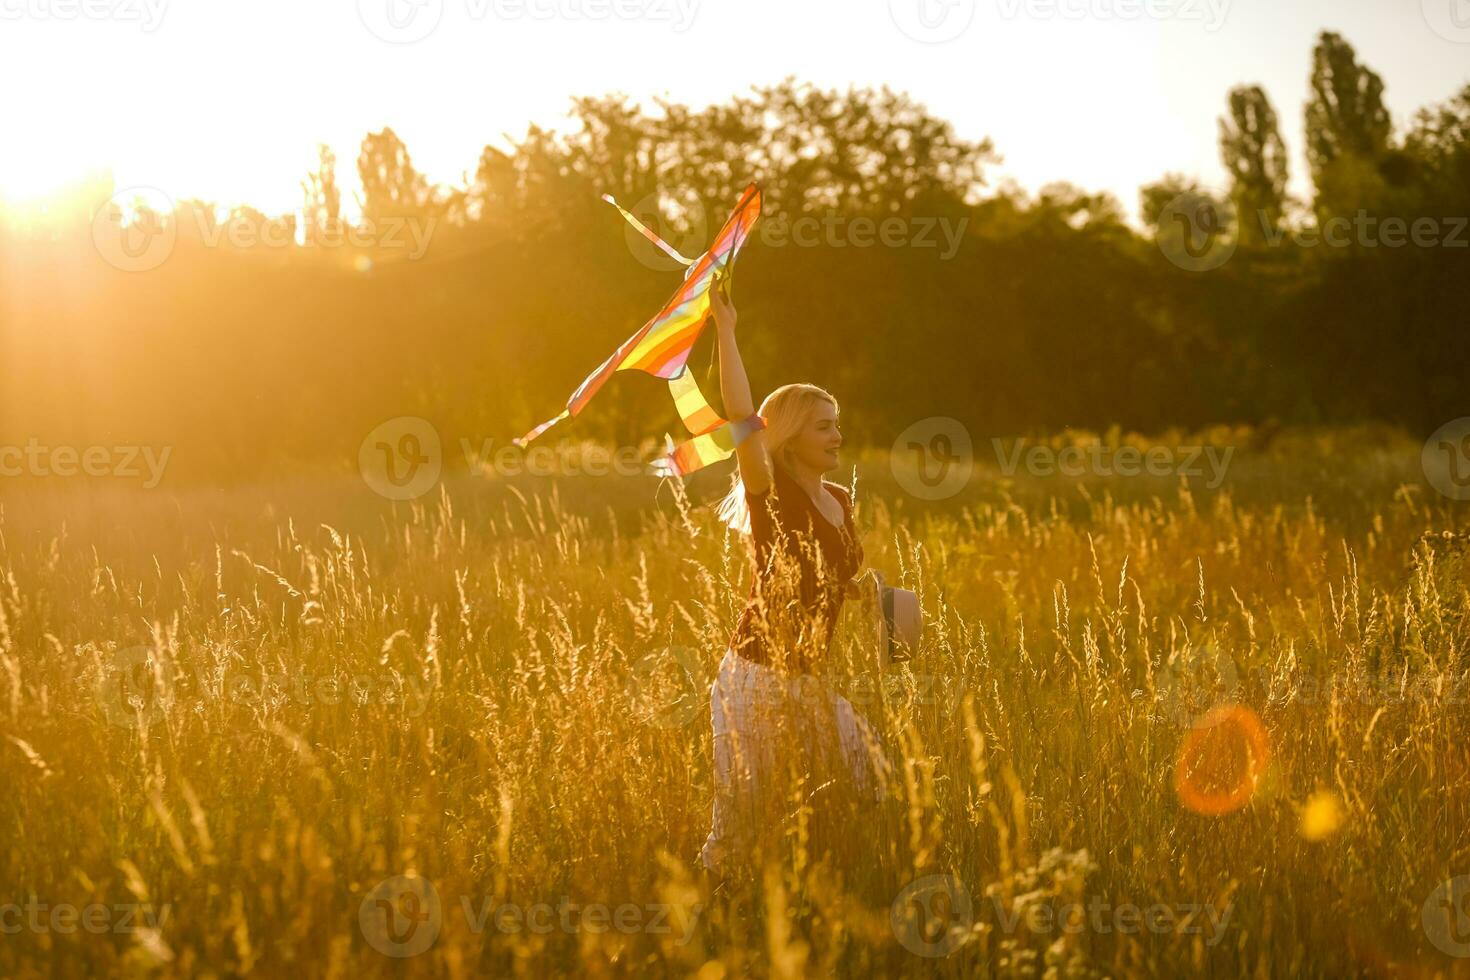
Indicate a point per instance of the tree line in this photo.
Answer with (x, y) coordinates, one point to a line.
(888, 268)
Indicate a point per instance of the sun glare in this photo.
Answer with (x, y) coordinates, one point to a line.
(26, 181)
(32, 193)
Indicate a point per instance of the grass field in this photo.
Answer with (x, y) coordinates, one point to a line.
(237, 722)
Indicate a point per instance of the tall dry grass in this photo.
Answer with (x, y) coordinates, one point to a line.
(253, 706)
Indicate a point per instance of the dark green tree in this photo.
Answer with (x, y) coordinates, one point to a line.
(1348, 129)
(1253, 152)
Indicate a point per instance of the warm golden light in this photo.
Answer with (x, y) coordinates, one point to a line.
(33, 193)
(1121, 342)
(1322, 816)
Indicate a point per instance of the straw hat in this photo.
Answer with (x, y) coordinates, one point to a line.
(897, 620)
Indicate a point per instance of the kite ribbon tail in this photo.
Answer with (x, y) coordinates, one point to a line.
(711, 447)
(650, 234)
(693, 407)
(523, 440)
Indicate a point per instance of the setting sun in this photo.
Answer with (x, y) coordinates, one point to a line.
(28, 185)
(686, 488)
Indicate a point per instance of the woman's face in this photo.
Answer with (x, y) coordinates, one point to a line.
(815, 446)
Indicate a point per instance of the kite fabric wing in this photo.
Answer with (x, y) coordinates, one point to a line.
(662, 346)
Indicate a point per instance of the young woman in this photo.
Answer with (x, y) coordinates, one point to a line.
(769, 713)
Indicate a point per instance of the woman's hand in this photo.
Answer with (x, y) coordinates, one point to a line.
(721, 304)
(750, 455)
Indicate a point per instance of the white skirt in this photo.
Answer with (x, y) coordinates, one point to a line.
(753, 710)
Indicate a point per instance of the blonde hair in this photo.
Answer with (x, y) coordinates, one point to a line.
(787, 411)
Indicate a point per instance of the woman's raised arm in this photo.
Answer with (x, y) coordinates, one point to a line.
(751, 454)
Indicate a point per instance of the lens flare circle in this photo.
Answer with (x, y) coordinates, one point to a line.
(1222, 761)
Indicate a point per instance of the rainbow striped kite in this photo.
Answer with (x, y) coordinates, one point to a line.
(662, 347)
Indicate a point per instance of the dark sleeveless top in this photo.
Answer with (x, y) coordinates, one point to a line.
(802, 563)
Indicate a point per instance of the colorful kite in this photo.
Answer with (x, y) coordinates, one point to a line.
(662, 347)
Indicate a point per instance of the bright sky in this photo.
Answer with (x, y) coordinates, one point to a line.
(227, 99)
